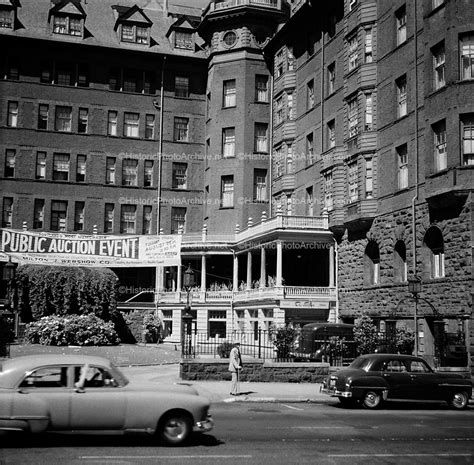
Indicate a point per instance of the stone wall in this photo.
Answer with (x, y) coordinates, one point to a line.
(254, 371)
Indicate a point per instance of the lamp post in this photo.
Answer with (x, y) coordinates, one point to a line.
(414, 287)
(9, 274)
(187, 318)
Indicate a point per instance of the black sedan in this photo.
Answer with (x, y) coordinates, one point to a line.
(374, 378)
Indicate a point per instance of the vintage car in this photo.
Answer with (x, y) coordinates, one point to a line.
(42, 393)
(374, 378)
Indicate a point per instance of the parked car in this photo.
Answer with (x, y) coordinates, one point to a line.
(374, 378)
(43, 393)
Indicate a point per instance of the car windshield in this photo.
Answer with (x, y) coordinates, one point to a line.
(361, 363)
(121, 379)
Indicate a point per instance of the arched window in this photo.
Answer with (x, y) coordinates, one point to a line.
(400, 262)
(372, 263)
(434, 245)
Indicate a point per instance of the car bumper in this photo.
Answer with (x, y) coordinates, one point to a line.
(204, 426)
(335, 393)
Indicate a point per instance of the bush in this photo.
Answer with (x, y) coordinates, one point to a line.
(405, 340)
(365, 335)
(223, 350)
(82, 330)
(151, 328)
(284, 339)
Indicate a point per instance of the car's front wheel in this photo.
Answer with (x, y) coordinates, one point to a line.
(372, 399)
(175, 428)
(458, 400)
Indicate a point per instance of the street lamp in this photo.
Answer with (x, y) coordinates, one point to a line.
(414, 287)
(187, 318)
(9, 274)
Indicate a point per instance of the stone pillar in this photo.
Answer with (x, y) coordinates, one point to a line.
(203, 273)
(279, 278)
(179, 278)
(263, 268)
(235, 277)
(249, 270)
(331, 266)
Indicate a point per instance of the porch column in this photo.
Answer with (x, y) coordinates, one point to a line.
(203, 273)
(249, 270)
(279, 264)
(235, 277)
(331, 266)
(263, 268)
(159, 278)
(179, 279)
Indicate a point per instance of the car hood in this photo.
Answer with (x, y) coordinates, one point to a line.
(175, 388)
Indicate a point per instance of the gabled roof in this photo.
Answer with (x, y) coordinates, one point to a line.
(133, 14)
(183, 22)
(12, 3)
(69, 7)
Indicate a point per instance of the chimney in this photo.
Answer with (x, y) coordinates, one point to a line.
(165, 8)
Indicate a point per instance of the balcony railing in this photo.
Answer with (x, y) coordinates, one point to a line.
(236, 3)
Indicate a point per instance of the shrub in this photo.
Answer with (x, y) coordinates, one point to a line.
(284, 339)
(365, 335)
(405, 340)
(223, 350)
(82, 330)
(151, 328)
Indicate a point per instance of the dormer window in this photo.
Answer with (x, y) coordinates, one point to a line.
(134, 33)
(184, 40)
(68, 25)
(6, 18)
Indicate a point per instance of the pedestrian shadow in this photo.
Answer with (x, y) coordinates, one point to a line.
(246, 393)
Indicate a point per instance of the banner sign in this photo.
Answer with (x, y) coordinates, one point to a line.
(45, 248)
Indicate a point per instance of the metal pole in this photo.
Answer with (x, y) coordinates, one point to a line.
(415, 320)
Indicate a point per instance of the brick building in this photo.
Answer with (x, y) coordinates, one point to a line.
(316, 157)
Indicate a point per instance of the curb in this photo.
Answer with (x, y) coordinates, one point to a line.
(277, 400)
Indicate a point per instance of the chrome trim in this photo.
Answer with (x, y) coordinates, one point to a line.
(205, 425)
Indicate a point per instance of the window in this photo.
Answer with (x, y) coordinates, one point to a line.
(149, 126)
(309, 201)
(79, 216)
(368, 113)
(58, 215)
(372, 263)
(134, 33)
(129, 172)
(291, 58)
(440, 155)
(63, 120)
(227, 191)
(289, 102)
(229, 94)
(289, 205)
(467, 123)
(83, 120)
(467, 57)
(434, 249)
(43, 111)
(278, 161)
(10, 156)
(368, 45)
(369, 178)
(183, 39)
(146, 226)
(109, 217)
(279, 59)
(400, 262)
(110, 170)
(112, 123)
(131, 122)
(181, 86)
(331, 130)
(208, 104)
(60, 167)
(279, 110)
(228, 142)
(40, 165)
(64, 75)
(310, 94)
(13, 69)
(128, 218)
(261, 137)
(38, 214)
(352, 117)
(148, 173)
(178, 219)
(68, 25)
(81, 168)
(180, 174)
(6, 18)
(7, 212)
(353, 181)
(217, 323)
(401, 24)
(82, 76)
(12, 117)
(353, 51)
(310, 148)
(260, 185)
(439, 66)
(181, 129)
(401, 84)
(331, 78)
(402, 159)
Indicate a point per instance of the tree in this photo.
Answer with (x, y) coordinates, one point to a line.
(365, 335)
(284, 339)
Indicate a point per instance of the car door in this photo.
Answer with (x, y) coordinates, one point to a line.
(424, 380)
(44, 392)
(98, 401)
(396, 375)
